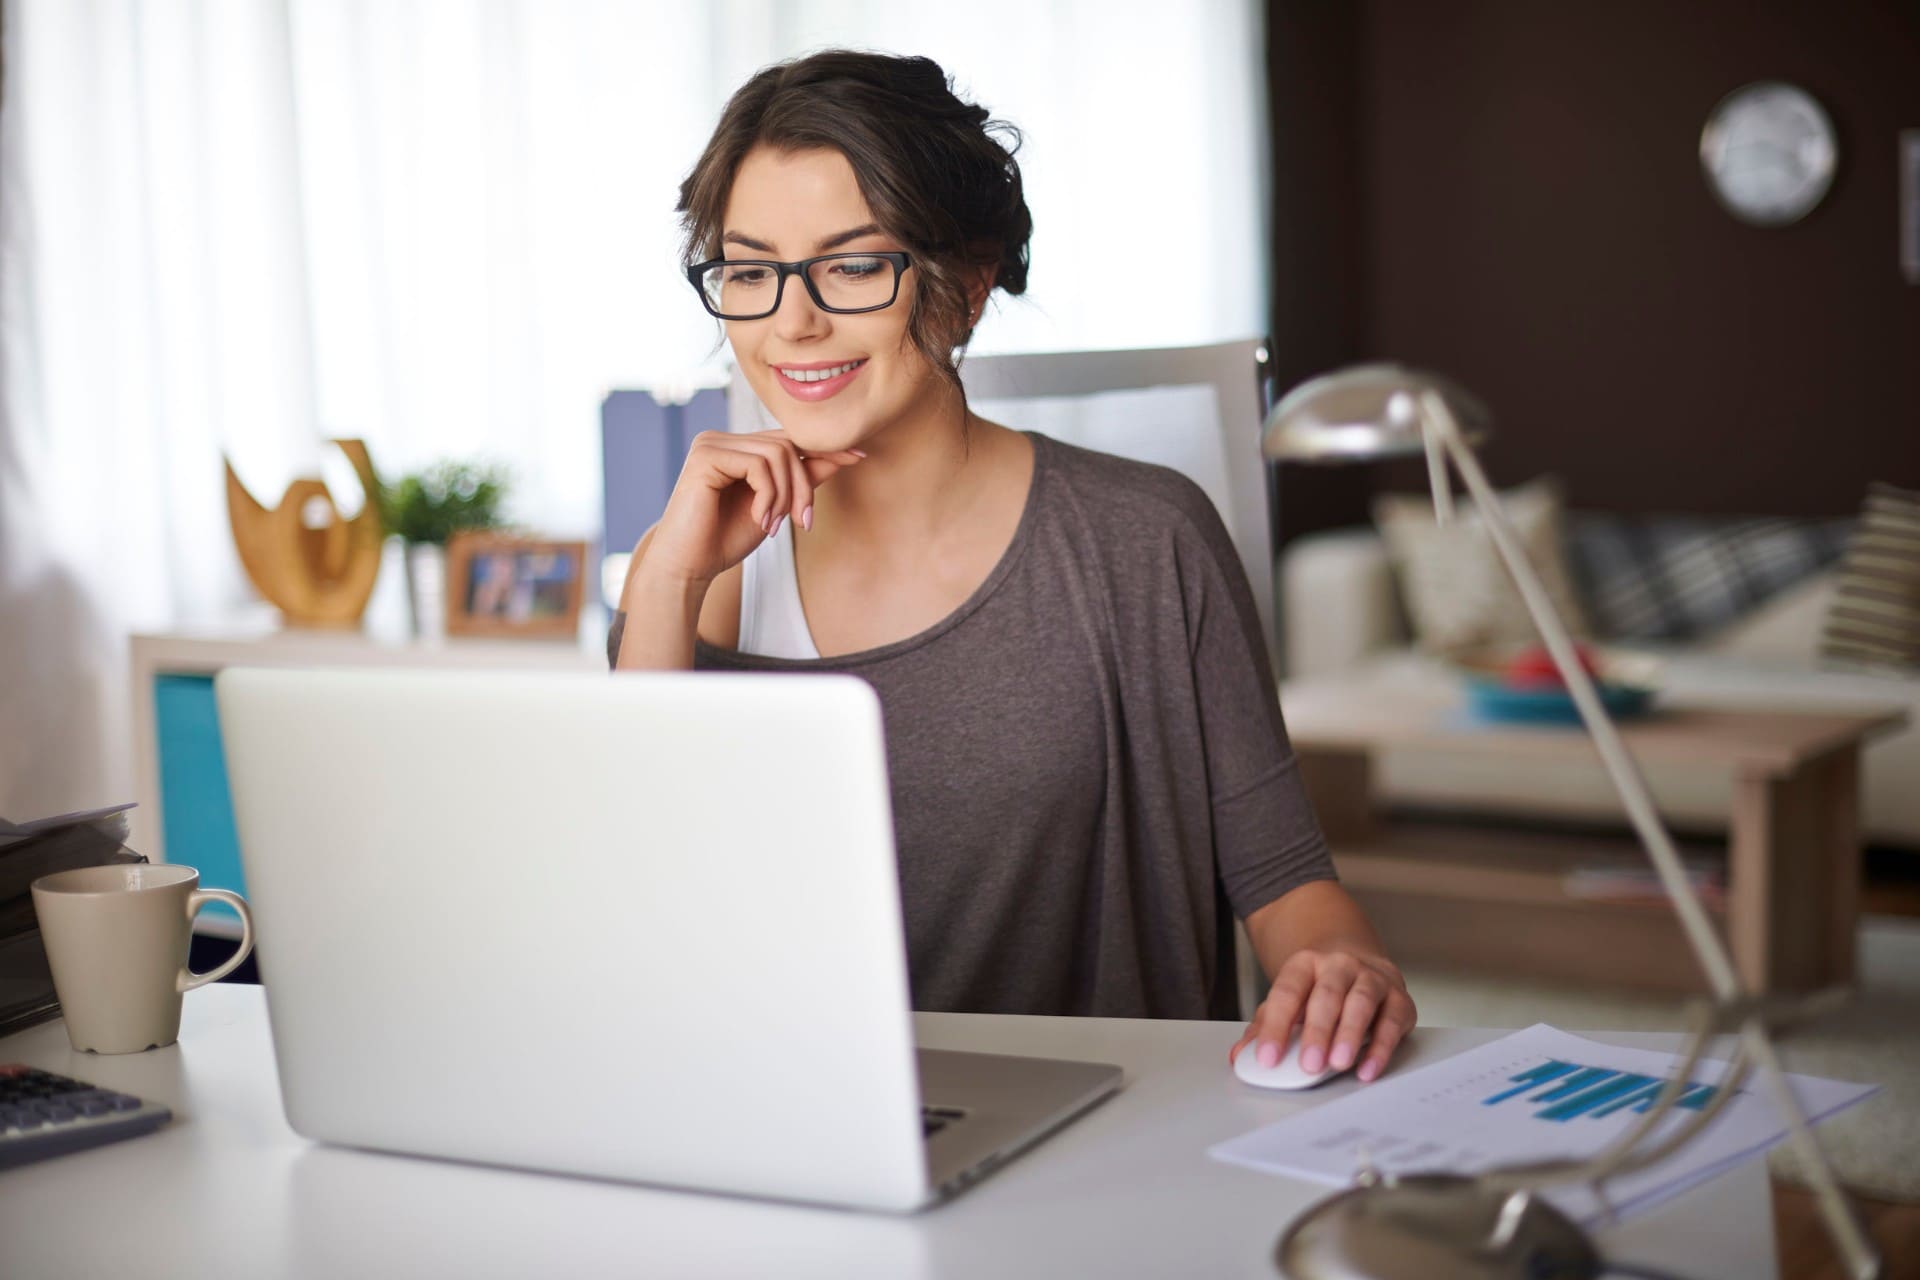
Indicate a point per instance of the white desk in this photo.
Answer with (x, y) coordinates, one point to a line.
(229, 1190)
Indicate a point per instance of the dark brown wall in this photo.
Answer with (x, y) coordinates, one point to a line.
(1313, 78)
(1530, 218)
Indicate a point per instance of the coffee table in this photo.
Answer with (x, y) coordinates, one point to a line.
(1497, 896)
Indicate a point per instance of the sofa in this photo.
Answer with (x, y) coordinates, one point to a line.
(1342, 615)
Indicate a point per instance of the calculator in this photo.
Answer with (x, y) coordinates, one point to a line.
(43, 1114)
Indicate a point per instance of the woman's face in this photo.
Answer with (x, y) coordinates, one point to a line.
(788, 205)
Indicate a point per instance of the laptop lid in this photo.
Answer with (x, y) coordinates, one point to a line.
(644, 928)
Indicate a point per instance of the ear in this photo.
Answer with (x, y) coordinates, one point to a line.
(979, 286)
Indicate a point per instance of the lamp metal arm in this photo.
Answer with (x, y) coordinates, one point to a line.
(1858, 1252)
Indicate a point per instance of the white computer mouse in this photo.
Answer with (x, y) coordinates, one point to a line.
(1286, 1073)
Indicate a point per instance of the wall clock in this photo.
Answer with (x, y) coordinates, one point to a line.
(1769, 152)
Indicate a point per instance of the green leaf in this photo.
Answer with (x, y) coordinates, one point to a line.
(434, 504)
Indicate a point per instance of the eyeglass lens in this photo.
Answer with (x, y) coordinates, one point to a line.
(748, 290)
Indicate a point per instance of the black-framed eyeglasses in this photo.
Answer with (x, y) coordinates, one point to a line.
(843, 283)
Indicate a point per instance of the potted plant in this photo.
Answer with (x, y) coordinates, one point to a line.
(425, 508)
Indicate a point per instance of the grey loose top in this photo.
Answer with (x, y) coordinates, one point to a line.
(1089, 767)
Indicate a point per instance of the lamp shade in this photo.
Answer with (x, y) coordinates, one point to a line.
(1367, 412)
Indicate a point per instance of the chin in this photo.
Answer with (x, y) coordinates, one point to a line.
(823, 432)
(831, 425)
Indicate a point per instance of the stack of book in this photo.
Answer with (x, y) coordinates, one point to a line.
(29, 850)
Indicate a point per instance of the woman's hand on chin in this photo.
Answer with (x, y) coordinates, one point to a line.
(732, 494)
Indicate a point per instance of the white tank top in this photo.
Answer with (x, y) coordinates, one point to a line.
(772, 623)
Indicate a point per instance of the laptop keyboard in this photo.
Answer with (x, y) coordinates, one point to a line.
(934, 1119)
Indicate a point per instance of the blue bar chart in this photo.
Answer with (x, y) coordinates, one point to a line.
(1563, 1091)
(1533, 1096)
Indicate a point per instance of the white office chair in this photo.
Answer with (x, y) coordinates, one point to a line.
(1196, 409)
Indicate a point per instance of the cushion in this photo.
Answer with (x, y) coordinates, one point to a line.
(1670, 578)
(1875, 616)
(1783, 629)
(1456, 588)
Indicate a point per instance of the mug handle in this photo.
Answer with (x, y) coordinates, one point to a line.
(199, 898)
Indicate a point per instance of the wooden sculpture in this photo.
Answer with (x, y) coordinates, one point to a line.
(319, 573)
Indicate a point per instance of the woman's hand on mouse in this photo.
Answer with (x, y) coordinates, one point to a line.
(732, 494)
(1340, 998)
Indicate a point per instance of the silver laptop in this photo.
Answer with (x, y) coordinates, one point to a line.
(644, 928)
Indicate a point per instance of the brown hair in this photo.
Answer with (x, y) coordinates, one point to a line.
(932, 169)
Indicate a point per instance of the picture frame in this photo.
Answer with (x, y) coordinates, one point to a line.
(506, 585)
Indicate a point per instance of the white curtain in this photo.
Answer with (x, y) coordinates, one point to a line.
(244, 226)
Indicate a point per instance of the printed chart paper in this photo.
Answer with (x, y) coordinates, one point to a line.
(1537, 1094)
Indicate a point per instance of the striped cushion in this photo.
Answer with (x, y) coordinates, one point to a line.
(1875, 616)
(1676, 577)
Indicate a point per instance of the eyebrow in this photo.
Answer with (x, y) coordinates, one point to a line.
(832, 242)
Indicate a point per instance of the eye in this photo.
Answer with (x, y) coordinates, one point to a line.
(854, 270)
(748, 276)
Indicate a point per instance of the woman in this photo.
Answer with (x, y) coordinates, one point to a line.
(1088, 763)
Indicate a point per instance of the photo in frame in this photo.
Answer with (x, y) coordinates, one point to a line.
(504, 585)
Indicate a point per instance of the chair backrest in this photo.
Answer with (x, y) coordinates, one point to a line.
(1195, 409)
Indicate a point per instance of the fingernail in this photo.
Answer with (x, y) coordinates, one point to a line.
(1313, 1059)
(1342, 1057)
(1268, 1053)
(806, 518)
(775, 531)
(858, 453)
(1368, 1071)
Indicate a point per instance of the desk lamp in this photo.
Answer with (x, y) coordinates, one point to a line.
(1442, 1226)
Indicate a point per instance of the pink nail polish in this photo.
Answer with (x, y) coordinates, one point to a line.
(806, 518)
(1312, 1060)
(1342, 1057)
(858, 453)
(1267, 1052)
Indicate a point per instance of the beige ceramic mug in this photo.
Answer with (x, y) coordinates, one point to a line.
(116, 940)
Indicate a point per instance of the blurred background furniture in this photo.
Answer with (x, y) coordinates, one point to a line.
(1574, 904)
(1343, 616)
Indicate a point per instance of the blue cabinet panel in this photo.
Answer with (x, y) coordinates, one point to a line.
(196, 809)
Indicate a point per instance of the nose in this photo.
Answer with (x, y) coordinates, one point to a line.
(797, 318)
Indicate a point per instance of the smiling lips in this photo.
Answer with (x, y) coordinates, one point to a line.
(817, 381)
